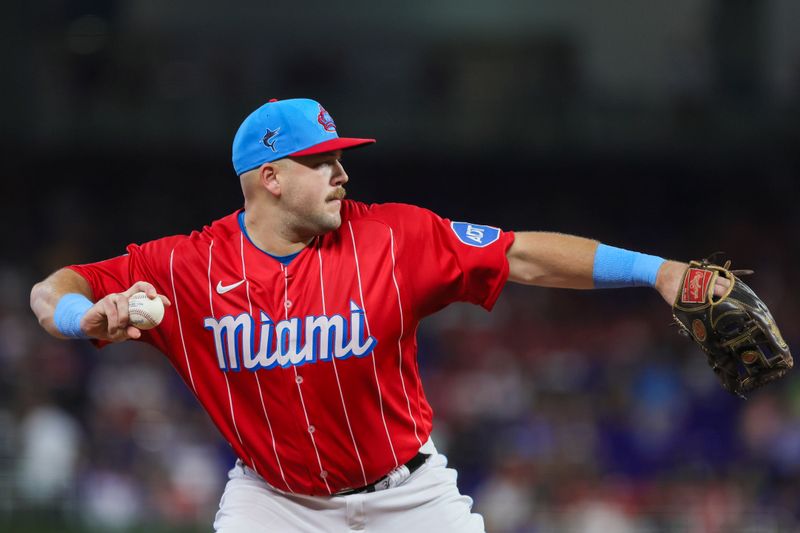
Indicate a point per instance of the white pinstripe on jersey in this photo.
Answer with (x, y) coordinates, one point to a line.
(336, 373)
(178, 313)
(400, 337)
(258, 382)
(323, 474)
(225, 374)
(369, 333)
(419, 382)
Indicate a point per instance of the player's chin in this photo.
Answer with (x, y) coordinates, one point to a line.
(331, 220)
(336, 221)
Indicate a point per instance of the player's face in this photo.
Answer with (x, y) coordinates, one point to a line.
(312, 192)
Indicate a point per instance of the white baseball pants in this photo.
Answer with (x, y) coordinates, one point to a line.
(426, 501)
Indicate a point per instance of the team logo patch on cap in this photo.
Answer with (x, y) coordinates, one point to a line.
(269, 138)
(475, 234)
(325, 120)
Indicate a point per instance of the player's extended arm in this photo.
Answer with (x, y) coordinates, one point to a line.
(567, 261)
(106, 319)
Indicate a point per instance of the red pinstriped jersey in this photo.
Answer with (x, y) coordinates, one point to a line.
(310, 370)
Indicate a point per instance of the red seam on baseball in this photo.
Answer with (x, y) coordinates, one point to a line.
(144, 314)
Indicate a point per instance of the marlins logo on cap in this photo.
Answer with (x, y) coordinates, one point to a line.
(284, 128)
(269, 139)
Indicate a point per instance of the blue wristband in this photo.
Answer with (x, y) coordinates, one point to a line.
(616, 267)
(69, 311)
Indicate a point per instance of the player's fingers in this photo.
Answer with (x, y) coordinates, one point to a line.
(721, 286)
(142, 286)
(124, 334)
(112, 317)
(122, 310)
(133, 333)
(118, 336)
(165, 300)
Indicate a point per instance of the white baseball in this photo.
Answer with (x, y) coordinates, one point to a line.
(145, 313)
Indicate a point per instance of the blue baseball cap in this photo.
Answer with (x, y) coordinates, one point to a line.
(283, 128)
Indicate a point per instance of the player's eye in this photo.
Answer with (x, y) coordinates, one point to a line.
(329, 161)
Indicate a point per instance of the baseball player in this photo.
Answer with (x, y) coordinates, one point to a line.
(294, 319)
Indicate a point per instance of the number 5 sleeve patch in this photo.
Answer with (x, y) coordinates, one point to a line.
(475, 234)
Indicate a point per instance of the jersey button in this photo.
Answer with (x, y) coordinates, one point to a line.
(299, 379)
(323, 474)
(288, 304)
(311, 429)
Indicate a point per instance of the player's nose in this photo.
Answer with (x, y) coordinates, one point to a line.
(340, 176)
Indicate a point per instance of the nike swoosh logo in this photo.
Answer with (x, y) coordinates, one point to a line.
(222, 289)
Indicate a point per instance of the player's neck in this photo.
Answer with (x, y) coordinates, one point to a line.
(271, 236)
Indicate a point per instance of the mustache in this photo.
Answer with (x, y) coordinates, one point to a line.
(338, 194)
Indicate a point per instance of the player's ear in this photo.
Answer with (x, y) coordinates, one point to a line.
(268, 178)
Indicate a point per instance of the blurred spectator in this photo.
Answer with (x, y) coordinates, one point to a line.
(49, 443)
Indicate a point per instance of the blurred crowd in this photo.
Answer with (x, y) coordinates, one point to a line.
(562, 411)
(588, 412)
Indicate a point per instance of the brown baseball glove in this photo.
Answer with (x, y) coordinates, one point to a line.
(736, 330)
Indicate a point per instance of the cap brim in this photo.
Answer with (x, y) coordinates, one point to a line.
(340, 143)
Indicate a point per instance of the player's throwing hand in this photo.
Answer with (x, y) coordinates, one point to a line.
(108, 318)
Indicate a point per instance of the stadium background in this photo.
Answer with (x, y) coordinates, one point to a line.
(670, 128)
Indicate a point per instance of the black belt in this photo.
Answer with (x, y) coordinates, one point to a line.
(413, 465)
